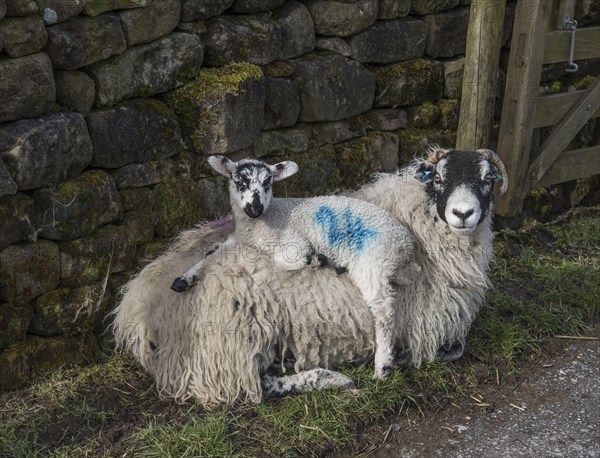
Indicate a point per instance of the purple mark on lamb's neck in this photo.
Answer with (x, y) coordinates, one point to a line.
(225, 223)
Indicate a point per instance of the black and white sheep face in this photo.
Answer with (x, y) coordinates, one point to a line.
(461, 185)
(250, 185)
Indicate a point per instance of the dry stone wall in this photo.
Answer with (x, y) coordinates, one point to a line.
(109, 109)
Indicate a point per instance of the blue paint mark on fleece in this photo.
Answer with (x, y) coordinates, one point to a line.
(347, 229)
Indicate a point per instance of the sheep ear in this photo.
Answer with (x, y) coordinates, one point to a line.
(222, 165)
(424, 171)
(283, 170)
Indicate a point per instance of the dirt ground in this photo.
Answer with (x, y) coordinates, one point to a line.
(551, 410)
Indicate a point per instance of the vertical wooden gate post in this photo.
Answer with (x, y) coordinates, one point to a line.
(520, 97)
(480, 79)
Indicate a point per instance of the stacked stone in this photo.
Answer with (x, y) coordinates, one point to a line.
(108, 110)
(83, 153)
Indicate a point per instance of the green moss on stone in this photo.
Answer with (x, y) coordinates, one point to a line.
(584, 187)
(319, 174)
(356, 162)
(410, 82)
(414, 142)
(449, 113)
(192, 101)
(278, 69)
(84, 260)
(585, 82)
(140, 225)
(148, 252)
(555, 86)
(149, 105)
(542, 203)
(34, 356)
(425, 115)
(78, 206)
(189, 72)
(68, 190)
(137, 199)
(145, 91)
(418, 70)
(48, 311)
(13, 323)
(67, 311)
(28, 270)
(213, 82)
(178, 205)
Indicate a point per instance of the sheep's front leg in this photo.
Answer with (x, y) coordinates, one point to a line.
(190, 278)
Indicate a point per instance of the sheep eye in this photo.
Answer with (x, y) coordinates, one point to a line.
(437, 178)
(489, 178)
(239, 182)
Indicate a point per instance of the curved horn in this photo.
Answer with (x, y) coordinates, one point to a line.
(435, 154)
(495, 159)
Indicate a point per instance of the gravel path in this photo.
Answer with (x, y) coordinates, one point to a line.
(552, 411)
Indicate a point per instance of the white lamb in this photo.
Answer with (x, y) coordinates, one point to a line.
(358, 237)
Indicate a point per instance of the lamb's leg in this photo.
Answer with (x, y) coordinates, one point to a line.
(314, 379)
(383, 317)
(190, 278)
(379, 297)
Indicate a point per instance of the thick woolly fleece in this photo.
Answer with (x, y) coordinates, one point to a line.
(362, 238)
(213, 342)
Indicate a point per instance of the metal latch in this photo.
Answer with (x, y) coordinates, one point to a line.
(571, 24)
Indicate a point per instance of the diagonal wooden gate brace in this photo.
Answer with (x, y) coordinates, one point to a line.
(565, 131)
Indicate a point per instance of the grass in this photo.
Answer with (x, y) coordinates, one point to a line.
(547, 282)
(197, 437)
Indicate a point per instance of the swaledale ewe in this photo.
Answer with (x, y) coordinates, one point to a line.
(218, 343)
(358, 237)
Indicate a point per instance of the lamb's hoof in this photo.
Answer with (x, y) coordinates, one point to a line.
(382, 374)
(180, 285)
(322, 260)
(340, 270)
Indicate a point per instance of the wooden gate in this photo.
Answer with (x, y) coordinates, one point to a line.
(539, 38)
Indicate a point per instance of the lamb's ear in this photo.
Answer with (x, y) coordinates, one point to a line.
(424, 171)
(222, 165)
(283, 170)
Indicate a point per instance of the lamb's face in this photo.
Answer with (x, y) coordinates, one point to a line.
(461, 185)
(250, 181)
(250, 187)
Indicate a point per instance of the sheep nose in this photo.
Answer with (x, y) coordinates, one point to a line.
(254, 211)
(463, 215)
